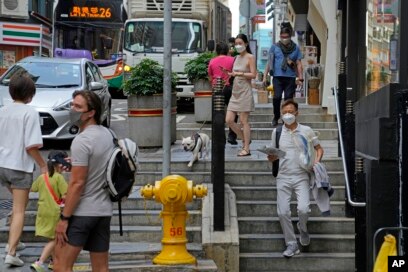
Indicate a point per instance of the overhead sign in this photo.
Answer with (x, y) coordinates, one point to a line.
(247, 8)
(260, 7)
(90, 12)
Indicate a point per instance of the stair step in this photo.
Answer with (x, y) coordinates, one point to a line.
(153, 163)
(130, 234)
(234, 179)
(274, 261)
(202, 265)
(276, 243)
(132, 217)
(133, 202)
(260, 133)
(301, 118)
(303, 108)
(321, 225)
(117, 251)
(268, 208)
(269, 192)
(268, 124)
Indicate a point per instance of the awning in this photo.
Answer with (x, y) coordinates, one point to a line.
(42, 19)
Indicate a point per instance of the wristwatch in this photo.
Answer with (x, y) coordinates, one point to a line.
(64, 218)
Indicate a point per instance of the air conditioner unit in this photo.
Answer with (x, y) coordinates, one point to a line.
(14, 8)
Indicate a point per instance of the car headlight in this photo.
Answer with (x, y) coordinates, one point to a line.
(64, 107)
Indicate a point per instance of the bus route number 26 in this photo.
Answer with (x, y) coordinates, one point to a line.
(176, 231)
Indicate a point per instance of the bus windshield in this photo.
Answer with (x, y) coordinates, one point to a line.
(94, 25)
(147, 37)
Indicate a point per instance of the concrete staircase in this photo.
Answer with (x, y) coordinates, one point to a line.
(260, 238)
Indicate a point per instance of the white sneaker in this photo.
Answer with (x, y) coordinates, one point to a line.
(13, 260)
(291, 250)
(20, 246)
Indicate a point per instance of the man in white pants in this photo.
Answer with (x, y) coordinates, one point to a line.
(292, 177)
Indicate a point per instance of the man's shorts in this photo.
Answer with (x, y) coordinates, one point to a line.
(92, 233)
(15, 179)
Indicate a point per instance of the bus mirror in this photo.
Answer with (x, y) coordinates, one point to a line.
(211, 45)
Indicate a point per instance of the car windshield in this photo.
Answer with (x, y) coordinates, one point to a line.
(148, 37)
(47, 74)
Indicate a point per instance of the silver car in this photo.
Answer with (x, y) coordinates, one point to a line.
(55, 80)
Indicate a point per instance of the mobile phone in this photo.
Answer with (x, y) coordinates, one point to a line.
(223, 69)
(61, 160)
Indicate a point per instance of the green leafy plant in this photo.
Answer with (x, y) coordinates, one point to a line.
(146, 78)
(196, 68)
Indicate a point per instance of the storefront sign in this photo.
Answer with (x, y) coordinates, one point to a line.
(25, 34)
(258, 19)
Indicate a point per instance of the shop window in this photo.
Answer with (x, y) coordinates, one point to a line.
(382, 29)
(7, 59)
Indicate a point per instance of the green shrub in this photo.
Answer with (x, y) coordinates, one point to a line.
(147, 79)
(196, 68)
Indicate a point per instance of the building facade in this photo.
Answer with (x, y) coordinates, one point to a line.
(25, 30)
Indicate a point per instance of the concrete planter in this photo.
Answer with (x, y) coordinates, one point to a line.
(146, 119)
(202, 101)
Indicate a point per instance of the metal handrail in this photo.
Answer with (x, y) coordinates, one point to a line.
(343, 157)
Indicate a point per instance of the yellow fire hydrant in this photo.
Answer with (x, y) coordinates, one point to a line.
(174, 192)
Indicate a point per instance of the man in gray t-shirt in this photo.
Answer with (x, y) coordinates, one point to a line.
(85, 220)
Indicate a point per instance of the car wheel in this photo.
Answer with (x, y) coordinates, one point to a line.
(107, 121)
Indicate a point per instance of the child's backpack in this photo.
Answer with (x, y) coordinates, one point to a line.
(121, 171)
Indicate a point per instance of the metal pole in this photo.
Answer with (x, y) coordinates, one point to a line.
(41, 40)
(167, 88)
(218, 154)
(249, 20)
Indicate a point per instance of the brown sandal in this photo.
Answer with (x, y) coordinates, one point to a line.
(244, 153)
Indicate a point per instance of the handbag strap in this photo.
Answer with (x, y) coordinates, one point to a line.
(47, 182)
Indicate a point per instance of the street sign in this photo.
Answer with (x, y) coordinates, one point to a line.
(247, 8)
(258, 19)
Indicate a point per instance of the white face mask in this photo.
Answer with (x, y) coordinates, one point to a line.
(240, 48)
(288, 118)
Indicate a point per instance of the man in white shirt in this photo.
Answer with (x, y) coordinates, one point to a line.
(293, 177)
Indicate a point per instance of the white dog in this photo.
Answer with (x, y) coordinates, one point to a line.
(198, 143)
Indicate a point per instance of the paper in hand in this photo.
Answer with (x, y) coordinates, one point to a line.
(269, 150)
